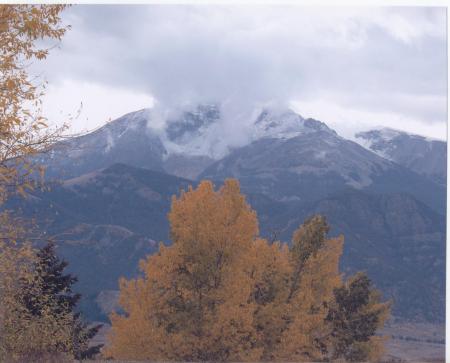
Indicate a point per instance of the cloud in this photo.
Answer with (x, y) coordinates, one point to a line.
(348, 121)
(85, 105)
(377, 61)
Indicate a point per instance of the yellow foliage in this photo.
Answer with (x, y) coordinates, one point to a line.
(23, 129)
(23, 134)
(193, 296)
(221, 293)
(23, 336)
(304, 337)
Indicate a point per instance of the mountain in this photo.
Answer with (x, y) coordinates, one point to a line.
(99, 255)
(312, 162)
(279, 153)
(397, 239)
(421, 154)
(106, 221)
(117, 195)
(125, 140)
(133, 139)
(116, 183)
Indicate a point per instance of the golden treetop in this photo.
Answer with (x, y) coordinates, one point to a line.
(23, 129)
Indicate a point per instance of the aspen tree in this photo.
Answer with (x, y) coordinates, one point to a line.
(24, 133)
(221, 293)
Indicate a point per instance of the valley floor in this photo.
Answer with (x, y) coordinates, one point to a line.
(409, 342)
(415, 342)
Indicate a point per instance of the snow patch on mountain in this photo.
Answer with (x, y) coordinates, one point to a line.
(195, 132)
(419, 153)
(280, 125)
(373, 139)
(186, 141)
(204, 131)
(379, 141)
(109, 141)
(206, 141)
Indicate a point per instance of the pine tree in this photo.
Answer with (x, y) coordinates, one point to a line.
(49, 269)
(55, 292)
(355, 315)
(25, 336)
(24, 133)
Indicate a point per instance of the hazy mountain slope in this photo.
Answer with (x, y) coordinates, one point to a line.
(104, 222)
(118, 195)
(315, 164)
(109, 219)
(125, 140)
(183, 148)
(397, 239)
(99, 255)
(186, 166)
(276, 144)
(418, 153)
(109, 215)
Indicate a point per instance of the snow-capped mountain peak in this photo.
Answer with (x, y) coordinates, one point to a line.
(176, 140)
(277, 124)
(202, 130)
(419, 153)
(285, 124)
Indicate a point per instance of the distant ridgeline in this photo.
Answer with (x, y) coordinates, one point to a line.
(111, 191)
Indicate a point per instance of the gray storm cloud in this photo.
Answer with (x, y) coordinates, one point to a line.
(372, 59)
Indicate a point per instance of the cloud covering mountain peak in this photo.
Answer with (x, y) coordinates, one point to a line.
(344, 65)
(212, 130)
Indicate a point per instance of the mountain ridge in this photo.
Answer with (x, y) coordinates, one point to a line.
(107, 221)
(421, 154)
(117, 183)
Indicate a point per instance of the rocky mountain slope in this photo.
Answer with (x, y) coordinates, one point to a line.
(281, 154)
(126, 140)
(421, 154)
(398, 240)
(106, 221)
(184, 148)
(108, 215)
(310, 165)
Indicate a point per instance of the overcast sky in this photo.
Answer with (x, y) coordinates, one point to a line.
(353, 68)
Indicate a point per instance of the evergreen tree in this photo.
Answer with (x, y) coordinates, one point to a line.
(355, 316)
(25, 33)
(56, 287)
(49, 269)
